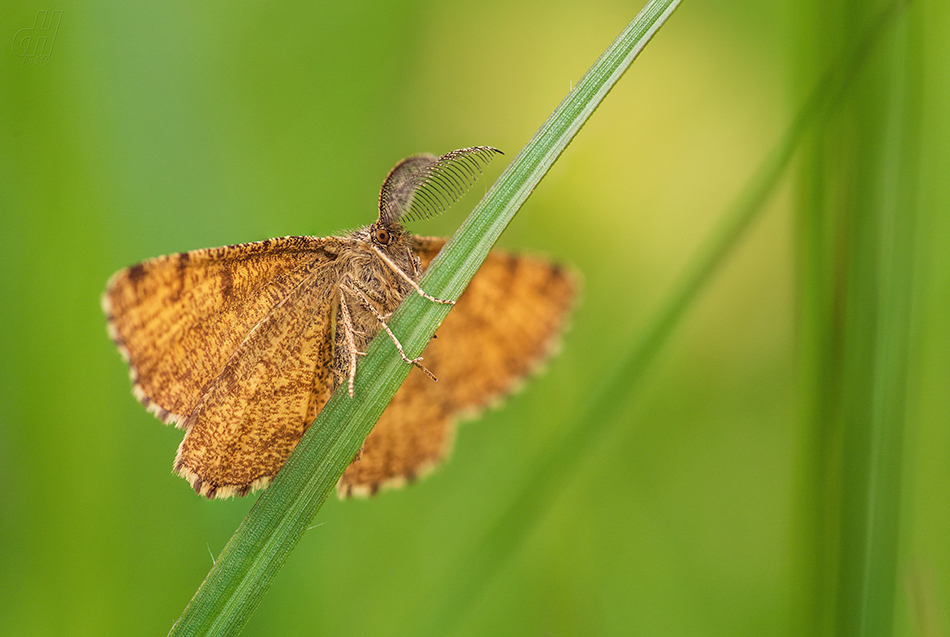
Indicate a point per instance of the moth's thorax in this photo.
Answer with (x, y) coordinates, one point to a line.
(367, 276)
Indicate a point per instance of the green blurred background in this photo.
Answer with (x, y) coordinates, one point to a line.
(151, 130)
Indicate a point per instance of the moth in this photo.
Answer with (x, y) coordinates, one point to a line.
(241, 346)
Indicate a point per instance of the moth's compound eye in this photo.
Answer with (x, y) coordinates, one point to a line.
(382, 236)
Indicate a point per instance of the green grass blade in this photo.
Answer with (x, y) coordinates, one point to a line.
(234, 586)
(857, 246)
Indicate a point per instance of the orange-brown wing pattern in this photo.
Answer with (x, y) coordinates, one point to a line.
(232, 345)
(254, 413)
(177, 319)
(506, 322)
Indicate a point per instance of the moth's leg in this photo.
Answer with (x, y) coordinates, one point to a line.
(354, 290)
(348, 331)
(415, 286)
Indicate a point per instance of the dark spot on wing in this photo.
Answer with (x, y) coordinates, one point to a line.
(135, 273)
(555, 274)
(512, 263)
(227, 283)
(181, 266)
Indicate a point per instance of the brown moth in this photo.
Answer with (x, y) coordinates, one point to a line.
(241, 346)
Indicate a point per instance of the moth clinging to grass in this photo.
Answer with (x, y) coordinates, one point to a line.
(241, 346)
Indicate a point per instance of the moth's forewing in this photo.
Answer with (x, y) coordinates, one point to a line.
(255, 412)
(178, 319)
(209, 336)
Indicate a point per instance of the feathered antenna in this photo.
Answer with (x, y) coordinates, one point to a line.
(423, 186)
